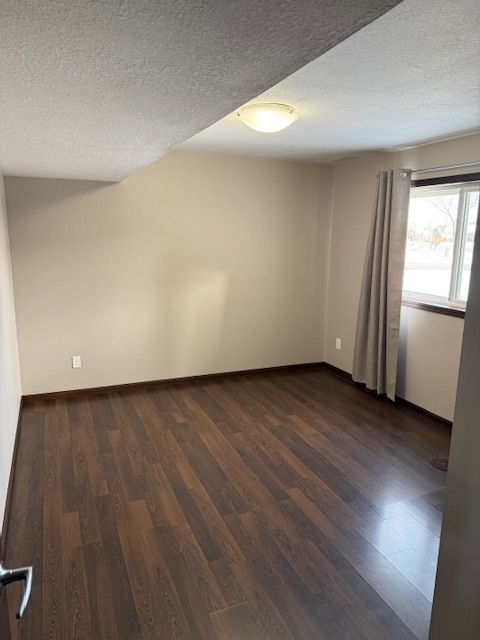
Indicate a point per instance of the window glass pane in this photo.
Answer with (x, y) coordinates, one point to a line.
(430, 242)
(471, 220)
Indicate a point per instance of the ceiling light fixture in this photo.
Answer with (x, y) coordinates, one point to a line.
(267, 117)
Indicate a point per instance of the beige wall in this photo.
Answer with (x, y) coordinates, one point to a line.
(429, 358)
(196, 264)
(354, 190)
(10, 391)
(203, 263)
(428, 375)
(456, 605)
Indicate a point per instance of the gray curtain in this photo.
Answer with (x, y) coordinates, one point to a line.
(376, 343)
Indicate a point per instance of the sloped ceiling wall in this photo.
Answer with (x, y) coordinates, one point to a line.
(98, 89)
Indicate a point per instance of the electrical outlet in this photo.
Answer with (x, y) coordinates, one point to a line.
(338, 343)
(76, 362)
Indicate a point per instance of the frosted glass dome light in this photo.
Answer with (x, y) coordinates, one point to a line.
(267, 117)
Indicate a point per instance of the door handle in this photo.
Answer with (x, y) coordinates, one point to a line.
(14, 575)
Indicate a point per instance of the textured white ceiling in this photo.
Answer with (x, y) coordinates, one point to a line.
(411, 76)
(99, 88)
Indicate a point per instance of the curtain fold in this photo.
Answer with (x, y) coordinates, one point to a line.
(378, 322)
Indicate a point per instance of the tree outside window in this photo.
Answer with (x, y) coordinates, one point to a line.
(441, 232)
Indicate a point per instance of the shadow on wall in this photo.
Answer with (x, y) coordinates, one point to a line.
(63, 191)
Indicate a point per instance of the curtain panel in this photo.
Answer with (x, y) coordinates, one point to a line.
(378, 322)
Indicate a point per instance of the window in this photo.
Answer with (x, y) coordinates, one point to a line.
(442, 220)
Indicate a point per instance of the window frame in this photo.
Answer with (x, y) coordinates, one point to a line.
(435, 305)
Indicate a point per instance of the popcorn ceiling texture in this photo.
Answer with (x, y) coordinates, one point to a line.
(410, 77)
(96, 89)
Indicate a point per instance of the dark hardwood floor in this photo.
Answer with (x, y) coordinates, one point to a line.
(281, 505)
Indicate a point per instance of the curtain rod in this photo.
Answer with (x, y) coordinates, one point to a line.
(450, 166)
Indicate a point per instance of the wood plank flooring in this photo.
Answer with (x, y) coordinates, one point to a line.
(279, 505)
